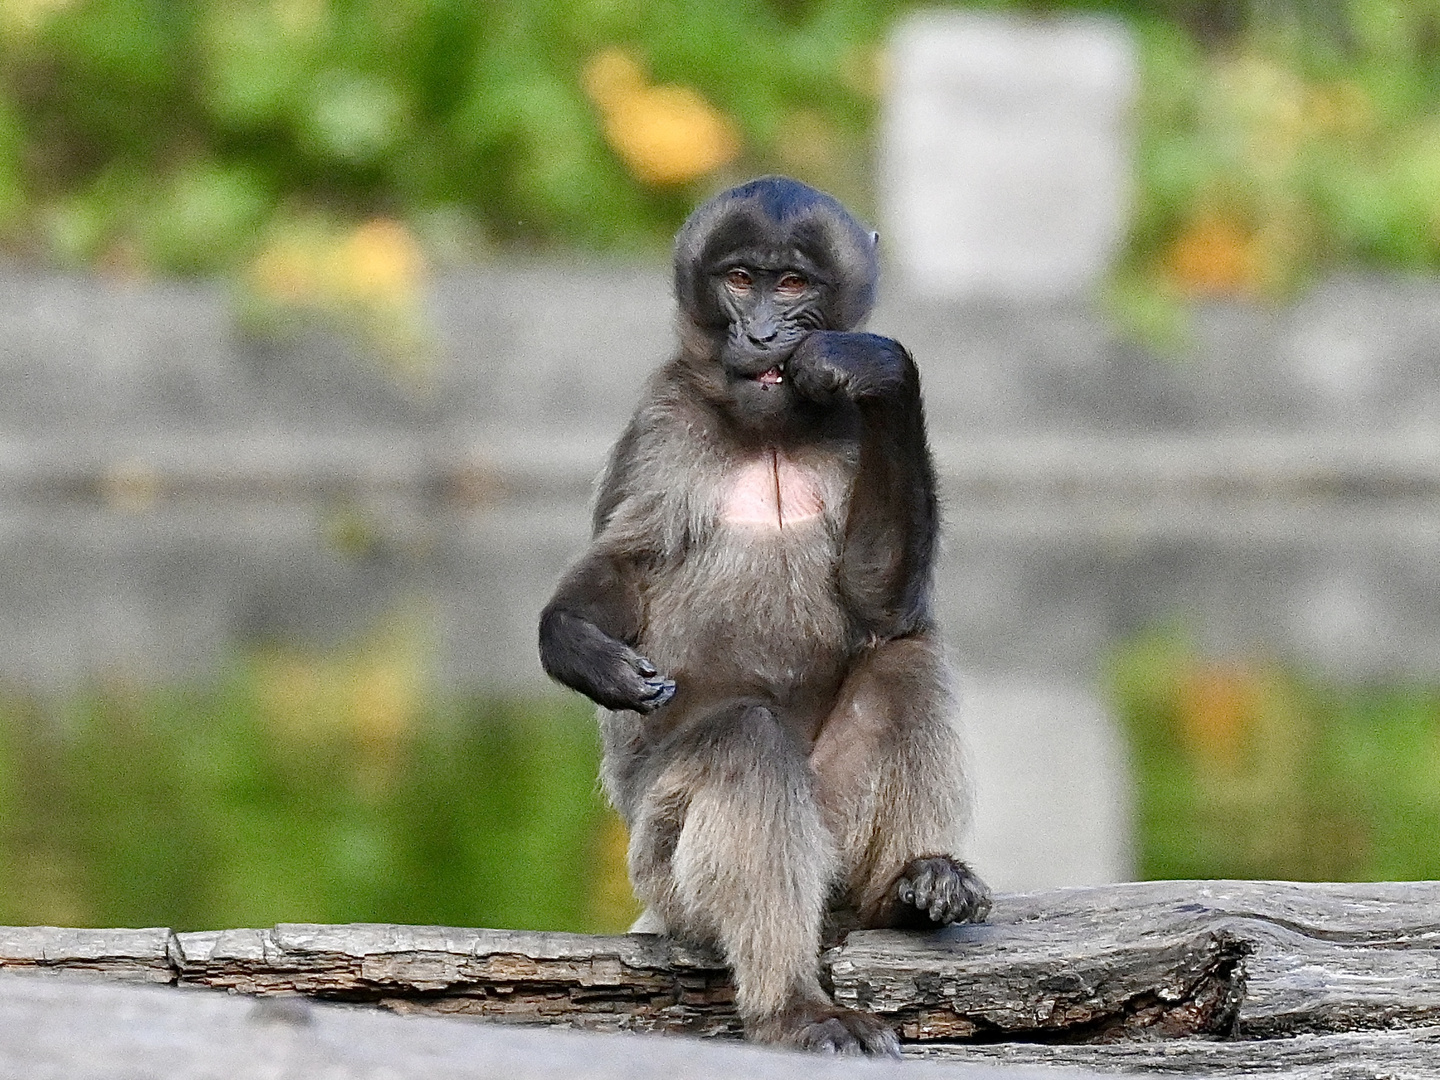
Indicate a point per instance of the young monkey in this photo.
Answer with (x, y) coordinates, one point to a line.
(753, 615)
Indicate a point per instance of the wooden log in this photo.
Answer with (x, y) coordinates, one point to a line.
(632, 982)
(62, 1027)
(129, 955)
(1406, 1054)
(1171, 976)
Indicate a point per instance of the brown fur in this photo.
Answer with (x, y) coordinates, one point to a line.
(808, 765)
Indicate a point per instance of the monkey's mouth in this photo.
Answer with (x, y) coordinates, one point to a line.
(770, 377)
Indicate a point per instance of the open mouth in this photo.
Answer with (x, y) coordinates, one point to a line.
(771, 377)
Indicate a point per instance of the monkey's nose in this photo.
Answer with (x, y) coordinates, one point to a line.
(764, 327)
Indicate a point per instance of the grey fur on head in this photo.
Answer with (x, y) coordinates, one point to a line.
(807, 217)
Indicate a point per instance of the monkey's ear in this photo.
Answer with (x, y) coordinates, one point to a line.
(875, 240)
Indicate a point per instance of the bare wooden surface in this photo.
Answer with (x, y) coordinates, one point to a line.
(1180, 977)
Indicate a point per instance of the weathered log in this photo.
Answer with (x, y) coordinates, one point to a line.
(1164, 976)
(632, 982)
(1406, 1054)
(66, 1029)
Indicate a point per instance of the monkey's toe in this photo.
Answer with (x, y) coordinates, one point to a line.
(942, 890)
(848, 1032)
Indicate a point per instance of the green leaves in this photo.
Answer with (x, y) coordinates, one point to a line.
(157, 136)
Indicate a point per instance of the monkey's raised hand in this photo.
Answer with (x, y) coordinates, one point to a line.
(834, 363)
(604, 669)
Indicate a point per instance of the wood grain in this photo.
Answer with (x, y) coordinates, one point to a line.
(1185, 977)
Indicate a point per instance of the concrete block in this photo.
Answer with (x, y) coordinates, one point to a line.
(1005, 156)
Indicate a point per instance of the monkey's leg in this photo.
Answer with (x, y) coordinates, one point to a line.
(890, 779)
(729, 847)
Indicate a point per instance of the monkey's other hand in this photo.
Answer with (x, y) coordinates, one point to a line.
(832, 363)
(941, 890)
(576, 652)
(620, 678)
(830, 1029)
(643, 688)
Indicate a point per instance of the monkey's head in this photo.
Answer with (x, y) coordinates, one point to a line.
(756, 269)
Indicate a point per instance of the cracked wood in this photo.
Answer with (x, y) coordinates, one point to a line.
(1151, 961)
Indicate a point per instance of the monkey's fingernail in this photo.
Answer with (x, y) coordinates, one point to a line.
(645, 667)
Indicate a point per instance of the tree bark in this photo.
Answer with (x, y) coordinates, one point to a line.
(1190, 977)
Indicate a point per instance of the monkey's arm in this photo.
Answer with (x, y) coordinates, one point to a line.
(587, 629)
(894, 517)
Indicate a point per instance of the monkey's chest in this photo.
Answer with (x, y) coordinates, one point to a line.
(755, 604)
(772, 492)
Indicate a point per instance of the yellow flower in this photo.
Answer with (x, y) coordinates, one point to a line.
(381, 262)
(664, 134)
(1212, 256)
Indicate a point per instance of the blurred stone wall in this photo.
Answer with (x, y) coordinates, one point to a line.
(170, 487)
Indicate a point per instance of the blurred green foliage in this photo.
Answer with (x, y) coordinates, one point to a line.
(1246, 769)
(1298, 139)
(169, 132)
(1276, 138)
(281, 792)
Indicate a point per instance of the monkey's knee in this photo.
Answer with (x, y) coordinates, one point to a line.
(730, 848)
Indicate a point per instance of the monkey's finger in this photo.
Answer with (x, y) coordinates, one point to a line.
(974, 899)
(645, 667)
(657, 692)
(981, 908)
(939, 904)
(950, 898)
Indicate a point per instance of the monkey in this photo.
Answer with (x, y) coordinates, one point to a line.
(753, 617)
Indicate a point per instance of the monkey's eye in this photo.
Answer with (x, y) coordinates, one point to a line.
(738, 280)
(792, 285)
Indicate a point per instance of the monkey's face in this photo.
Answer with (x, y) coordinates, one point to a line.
(757, 268)
(764, 306)
(768, 309)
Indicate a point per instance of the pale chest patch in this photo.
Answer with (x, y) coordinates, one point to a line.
(772, 492)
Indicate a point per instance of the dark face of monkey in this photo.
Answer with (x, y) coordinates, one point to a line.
(757, 268)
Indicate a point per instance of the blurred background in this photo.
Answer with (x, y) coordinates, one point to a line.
(317, 317)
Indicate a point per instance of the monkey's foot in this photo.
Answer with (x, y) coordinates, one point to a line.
(829, 1029)
(940, 890)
